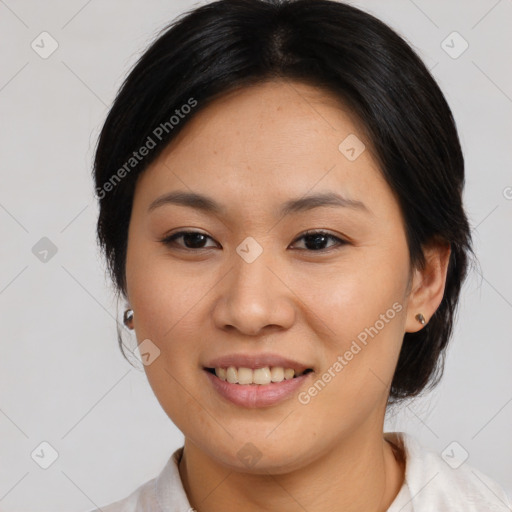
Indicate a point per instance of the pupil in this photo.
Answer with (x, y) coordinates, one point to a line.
(193, 240)
(318, 239)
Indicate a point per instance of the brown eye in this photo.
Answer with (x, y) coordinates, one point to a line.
(191, 239)
(316, 240)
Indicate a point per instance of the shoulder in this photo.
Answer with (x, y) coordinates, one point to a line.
(444, 482)
(160, 493)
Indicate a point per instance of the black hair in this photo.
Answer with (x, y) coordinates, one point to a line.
(231, 44)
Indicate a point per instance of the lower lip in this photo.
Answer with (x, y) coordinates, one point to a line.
(257, 395)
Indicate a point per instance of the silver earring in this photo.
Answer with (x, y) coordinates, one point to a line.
(128, 318)
(420, 318)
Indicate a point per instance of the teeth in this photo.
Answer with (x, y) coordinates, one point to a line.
(289, 373)
(244, 376)
(221, 373)
(231, 375)
(260, 376)
(277, 374)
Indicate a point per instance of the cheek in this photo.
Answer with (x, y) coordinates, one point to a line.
(167, 315)
(357, 311)
(344, 298)
(164, 294)
(166, 303)
(177, 396)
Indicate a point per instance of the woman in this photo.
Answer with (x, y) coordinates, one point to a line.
(280, 188)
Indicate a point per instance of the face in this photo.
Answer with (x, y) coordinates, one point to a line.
(322, 283)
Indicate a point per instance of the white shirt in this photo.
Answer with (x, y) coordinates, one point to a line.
(431, 485)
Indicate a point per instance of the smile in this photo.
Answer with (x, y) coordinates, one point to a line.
(260, 376)
(251, 394)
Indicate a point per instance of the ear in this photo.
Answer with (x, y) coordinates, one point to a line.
(428, 285)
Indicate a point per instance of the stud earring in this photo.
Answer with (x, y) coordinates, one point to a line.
(128, 318)
(420, 318)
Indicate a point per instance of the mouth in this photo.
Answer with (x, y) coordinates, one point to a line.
(262, 376)
(264, 386)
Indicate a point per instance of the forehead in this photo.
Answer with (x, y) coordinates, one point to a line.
(274, 112)
(277, 138)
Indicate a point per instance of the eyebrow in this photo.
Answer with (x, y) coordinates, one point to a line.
(302, 204)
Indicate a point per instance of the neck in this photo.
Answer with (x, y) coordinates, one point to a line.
(359, 474)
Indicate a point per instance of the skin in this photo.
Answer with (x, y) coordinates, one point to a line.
(252, 150)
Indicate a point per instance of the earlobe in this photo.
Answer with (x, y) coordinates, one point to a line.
(428, 286)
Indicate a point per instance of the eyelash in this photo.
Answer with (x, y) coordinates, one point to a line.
(170, 240)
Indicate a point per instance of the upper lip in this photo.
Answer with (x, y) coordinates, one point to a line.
(256, 361)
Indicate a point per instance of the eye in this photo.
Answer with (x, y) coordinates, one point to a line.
(191, 239)
(315, 240)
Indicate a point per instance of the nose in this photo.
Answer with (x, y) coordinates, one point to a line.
(254, 298)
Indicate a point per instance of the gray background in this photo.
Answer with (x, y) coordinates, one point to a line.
(62, 377)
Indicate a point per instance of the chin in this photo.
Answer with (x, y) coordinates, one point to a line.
(260, 457)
